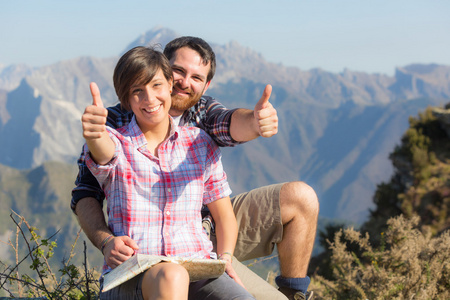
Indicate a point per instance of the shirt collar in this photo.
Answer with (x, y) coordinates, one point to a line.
(138, 137)
(174, 129)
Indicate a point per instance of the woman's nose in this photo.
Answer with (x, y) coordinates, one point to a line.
(149, 94)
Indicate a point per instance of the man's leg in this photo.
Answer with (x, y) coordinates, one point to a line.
(283, 214)
(299, 214)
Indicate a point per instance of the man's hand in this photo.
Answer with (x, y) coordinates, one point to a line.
(118, 250)
(94, 116)
(247, 125)
(266, 115)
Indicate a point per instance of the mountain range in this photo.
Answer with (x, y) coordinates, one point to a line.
(335, 130)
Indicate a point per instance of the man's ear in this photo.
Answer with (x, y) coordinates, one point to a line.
(206, 87)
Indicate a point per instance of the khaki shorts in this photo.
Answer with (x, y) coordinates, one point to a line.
(259, 221)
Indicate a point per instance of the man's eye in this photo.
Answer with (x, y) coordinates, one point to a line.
(136, 91)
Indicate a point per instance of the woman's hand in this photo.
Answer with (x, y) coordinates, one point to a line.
(229, 268)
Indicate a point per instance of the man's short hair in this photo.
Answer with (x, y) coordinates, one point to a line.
(138, 66)
(197, 44)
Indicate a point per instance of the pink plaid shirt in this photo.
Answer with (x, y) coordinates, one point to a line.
(157, 201)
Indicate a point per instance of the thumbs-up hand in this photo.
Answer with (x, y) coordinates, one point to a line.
(94, 116)
(266, 115)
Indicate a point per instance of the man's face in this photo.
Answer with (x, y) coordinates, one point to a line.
(189, 79)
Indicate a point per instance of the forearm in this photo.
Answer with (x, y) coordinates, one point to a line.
(226, 233)
(226, 225)
(243, 127)
(92, 220)
(101, 149)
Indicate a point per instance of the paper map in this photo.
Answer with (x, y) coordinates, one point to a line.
(197, 268)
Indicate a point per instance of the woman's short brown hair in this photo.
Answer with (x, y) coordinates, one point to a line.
(138, 66)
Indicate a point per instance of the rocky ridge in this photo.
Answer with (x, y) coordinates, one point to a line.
(336, 130)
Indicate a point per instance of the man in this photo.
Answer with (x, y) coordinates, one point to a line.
(283, 214)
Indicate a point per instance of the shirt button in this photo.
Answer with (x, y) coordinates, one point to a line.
(168, 213)
(169, 190)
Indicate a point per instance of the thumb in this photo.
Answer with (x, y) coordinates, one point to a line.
(95, 92)
(262, 103)
(130, 242)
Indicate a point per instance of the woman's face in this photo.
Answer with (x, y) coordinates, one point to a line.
(151, 102)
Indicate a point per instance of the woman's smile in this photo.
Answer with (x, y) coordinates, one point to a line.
(152, 110)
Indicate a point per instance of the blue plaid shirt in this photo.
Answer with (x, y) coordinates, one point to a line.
(208, 114)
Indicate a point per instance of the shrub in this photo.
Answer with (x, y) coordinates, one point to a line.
(71, 282)
(408, 264)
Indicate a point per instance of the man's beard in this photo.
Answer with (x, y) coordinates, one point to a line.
(181, 103)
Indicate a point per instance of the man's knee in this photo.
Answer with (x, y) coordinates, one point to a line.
(300, 196)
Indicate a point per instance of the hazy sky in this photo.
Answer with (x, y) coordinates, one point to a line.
(361, 35)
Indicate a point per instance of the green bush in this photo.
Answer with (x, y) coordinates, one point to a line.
(70, 282)
(408, 264)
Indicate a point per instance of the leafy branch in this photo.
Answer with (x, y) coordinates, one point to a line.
(73, 282)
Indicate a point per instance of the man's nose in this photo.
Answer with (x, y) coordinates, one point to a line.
(183, 81)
